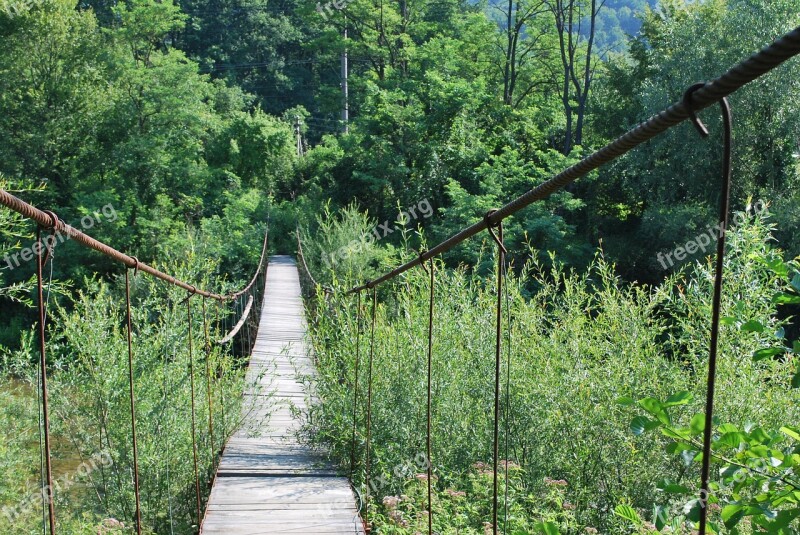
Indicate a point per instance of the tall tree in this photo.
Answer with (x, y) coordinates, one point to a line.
(525, 47)
(578, 61)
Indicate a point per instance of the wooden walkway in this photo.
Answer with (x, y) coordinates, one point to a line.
(267, 481)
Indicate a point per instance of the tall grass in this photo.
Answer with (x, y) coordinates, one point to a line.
(577, 343)
(90, 418)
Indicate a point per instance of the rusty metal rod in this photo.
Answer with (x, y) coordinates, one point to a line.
(43, 364)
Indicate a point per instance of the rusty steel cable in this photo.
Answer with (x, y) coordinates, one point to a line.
(501, 250)
(167, 390)
(194, 416)
(508, 392)
(222, 415)
(355, 386)
(325, 289)
(48, 219)
(717, 298)
(367, 527)
(43, 365)
(132, 397)
(429, 396)
(741, 74)
(207, 341)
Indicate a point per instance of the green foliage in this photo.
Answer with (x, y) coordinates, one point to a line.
(757, 470)
(344, 247)
(578, 343)
(90, 411)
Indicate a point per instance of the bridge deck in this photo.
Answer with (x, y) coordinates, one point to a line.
(267, 481)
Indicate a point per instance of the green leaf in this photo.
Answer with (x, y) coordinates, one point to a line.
(732, 514)
(752, 326)
(730, 440)
(672, 488)
(698, 424)
(727, 428)
(768, 352)
(728, 320)
(640, 424)
(791, 432)
(677, 434)
(625, 401)
(729, 471)
(656, 408)
(688, 457)
(796, 380)
(778, 266)
(660, 515)
(783, 298)
(681, 398)
(692, 509)
(628, 513)
(678, 447)
(796, 282)
(548, 528)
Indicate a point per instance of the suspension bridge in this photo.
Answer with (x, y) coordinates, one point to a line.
(272, 482)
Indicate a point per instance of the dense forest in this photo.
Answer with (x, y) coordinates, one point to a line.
(179, 131)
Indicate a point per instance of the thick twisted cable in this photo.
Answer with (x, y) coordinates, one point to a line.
(741, 74)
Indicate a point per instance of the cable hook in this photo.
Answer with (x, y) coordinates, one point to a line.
(135, 266)
(490, 227)
(687, 103)
(727, 122)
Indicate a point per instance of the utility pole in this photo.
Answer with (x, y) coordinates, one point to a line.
(345, 96)
(298, 135)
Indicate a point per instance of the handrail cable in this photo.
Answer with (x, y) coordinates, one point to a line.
(238, 326)
(250, 284)
(743, 73)
(48, 219)
(325, 289)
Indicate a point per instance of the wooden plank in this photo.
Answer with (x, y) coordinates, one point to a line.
(267, 480)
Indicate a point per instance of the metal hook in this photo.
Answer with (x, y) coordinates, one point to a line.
(687, 103)
(135, 265)
(705, 490)
(422, 260)
(53, 218)
(490, 228)
(49, 248)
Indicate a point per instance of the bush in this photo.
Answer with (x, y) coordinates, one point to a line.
(577, 344)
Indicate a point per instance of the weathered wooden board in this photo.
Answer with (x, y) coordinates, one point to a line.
(267, 481)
